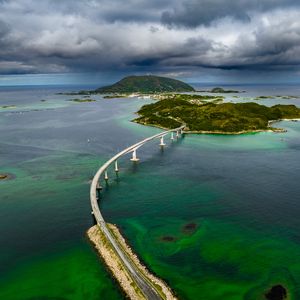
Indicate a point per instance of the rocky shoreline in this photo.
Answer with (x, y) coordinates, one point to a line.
(118, 270)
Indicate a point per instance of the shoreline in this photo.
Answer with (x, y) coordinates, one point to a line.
(118, 270)
(270, 129)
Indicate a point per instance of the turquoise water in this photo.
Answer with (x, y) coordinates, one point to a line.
(214, 216)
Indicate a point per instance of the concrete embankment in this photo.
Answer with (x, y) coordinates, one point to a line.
(119, 271)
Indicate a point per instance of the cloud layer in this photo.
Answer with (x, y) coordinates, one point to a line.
(168, 36)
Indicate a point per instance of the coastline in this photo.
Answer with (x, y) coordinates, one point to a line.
(270, 129)
(118, 270)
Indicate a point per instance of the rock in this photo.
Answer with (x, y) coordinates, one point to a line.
(277, 292)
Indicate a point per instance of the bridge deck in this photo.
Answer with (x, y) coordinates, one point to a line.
(143, 283)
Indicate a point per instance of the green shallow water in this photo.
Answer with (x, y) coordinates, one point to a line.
(217, 217)
(69, 274)
(46, 254)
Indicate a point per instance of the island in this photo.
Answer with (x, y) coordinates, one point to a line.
(288, 97)
(220, 90)
(7, 106)
(211, 117)
(138, 85)
(3, 176)
(146, 84)
(82, 100)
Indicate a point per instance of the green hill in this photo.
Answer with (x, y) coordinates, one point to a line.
(146, 84)
(211, 117)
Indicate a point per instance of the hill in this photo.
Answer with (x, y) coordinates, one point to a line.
(146, 84)
(214, 118)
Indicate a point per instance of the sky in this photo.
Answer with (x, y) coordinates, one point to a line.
(91, 41)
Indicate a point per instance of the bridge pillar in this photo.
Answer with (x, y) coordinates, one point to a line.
(98, 187)
(181, 131)
(177, 134)
(172, 136)
(105, 175)
(116, 167)
(162, 141)
(134, 158)
(94, 219)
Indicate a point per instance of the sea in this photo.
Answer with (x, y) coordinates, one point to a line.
(214, 216)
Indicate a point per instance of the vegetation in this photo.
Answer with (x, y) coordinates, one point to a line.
(82, 100)
(276, 97)
(192, 98)
(77, 93)
(264, 97)
(212, 117)
(146, 84)
(114, 96)
(221, 90)
(7, 106)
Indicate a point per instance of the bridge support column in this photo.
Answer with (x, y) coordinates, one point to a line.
(177, 134)
(134, 157)
(105, 175)
(116, 167)
(172, 136)
(162, 144)
(181, 131)
(94, 219)
(98, 187)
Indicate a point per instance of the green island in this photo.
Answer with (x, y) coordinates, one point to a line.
(146, 84)
(7, 106)
(115, 96)
(212, 117)
(191, 98)
(276, 97)
(82, 100)
(222, 91)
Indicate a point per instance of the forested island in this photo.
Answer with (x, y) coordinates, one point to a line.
(146, 84)
(177, 105)
(212, 117)
(221, 91)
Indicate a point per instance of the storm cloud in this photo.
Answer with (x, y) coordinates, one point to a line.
(148, 36)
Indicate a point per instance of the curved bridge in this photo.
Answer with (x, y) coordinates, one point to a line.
(143, 283)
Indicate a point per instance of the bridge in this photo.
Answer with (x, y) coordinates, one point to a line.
(146, 287)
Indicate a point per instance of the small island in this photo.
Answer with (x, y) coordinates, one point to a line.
(3, 176)
(219, 90)
(82, 100)
(222, 91)
(7, 106)
(219, 118)
(288, 97)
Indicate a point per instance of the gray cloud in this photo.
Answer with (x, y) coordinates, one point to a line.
(132, 36)
(193, 13)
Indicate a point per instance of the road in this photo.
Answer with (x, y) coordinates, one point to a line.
(142, 282)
